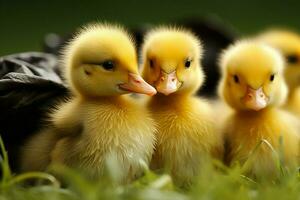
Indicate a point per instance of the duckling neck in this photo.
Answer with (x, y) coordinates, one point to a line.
(171, 100)
(104, 99)
(252, 113)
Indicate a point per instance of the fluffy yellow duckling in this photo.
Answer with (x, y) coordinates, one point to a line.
(98, 121)
(186, 131)
(253, 85)
(288, 43)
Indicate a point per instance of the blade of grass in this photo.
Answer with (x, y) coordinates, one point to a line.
(34, 175)
(246, 165)
(6, 173)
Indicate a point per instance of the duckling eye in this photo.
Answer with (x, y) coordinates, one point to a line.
(292, 59)
(187, 63)
(108, 65)
(272, 77)
(151, 63)
(236, 79)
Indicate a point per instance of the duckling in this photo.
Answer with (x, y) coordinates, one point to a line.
(186, 131)
(253, 85)
(288, 43)
(99, 121)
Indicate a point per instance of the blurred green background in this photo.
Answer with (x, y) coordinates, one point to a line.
(23, 24)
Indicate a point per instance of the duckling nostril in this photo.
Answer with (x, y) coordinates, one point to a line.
(162, 78)
(137, 81)
(173, 79)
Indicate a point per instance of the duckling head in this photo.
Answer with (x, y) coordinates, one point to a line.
(252, 76)
(288, 43)
(101, 61)
(171, 61)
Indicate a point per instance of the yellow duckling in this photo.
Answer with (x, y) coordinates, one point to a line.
(186, 130)
(98, 121)
(288, 43)
(253, 85)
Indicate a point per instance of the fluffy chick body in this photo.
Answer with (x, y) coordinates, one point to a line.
(244, 133)
(186, 134)
(248, 126)
(97, 123)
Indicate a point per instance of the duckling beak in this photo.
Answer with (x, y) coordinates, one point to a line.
(167, 83)
(255, 99)
(137, 84)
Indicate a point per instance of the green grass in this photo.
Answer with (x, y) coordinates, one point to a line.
(215, 181)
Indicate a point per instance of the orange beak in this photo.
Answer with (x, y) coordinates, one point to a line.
(255, 99)
(167, 83)
(137, 84)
